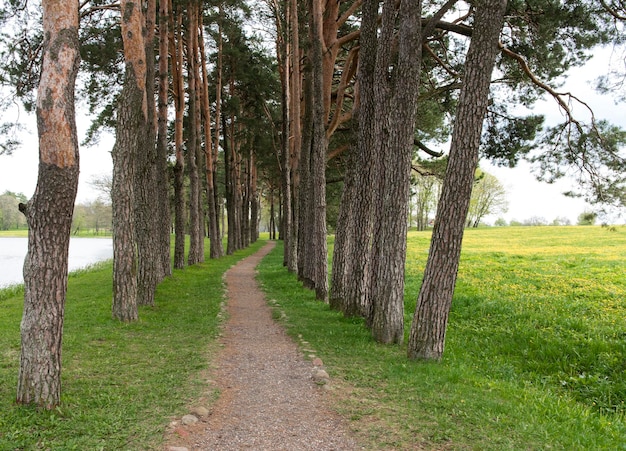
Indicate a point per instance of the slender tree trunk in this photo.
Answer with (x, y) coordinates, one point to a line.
(218, 122)
(49, 212)
(178, 88)
(356, 233)
(304, 193)
(246, 200)
(319, 149)
(230, 197)
(272, 217)
(428, 330)
(163, 179)
(146, 190)
(196, 232)
(295, 136)
(217, 250)
(288, 222)
(344, 234)
(132, 123)
(254, 200)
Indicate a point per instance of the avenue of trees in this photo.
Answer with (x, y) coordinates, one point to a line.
(349, 94)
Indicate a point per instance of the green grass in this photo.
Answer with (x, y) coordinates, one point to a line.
(14, 233)
(122, 383)
(535, 354)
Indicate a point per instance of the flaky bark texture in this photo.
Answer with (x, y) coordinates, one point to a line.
(163, 180)
(398, 127)
(315, 273)
(295, 134)
(210, 157)
(178, 91)
(130, 137)
(430, 321)
(196, 229)
(147, 202)
(354, 228)
(49, 212)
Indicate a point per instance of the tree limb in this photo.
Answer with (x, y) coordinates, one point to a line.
(420, 145)
(429, 25)
(349, 12)
(612, 11)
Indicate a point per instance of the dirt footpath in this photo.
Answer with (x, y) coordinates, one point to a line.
(268, 399)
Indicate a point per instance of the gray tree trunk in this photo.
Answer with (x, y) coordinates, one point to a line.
(196, 229)
(164, 219)
(428, 330)
(398, 128)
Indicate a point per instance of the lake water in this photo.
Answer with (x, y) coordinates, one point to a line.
(83, 252)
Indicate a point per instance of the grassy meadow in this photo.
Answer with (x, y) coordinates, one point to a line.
(122, 383)
(535, 353)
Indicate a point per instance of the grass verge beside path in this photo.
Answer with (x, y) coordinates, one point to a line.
(121, 382)
(535, 356)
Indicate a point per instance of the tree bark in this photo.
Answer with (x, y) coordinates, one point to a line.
(428, 330)
(295, 130)
(49, 212)
(211, 153)
(284, 50)
(147, 226)
(356, 221)
(178, 89)
(389, 240)
(131, 134)
(318, 148)
(196, 230)
(163, 180)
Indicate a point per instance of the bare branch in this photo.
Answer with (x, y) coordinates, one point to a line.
(429, 26)
(349, 12)
(612, 11)
(433, 153)
(89, 11)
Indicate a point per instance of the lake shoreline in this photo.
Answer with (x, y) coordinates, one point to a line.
(83, 253)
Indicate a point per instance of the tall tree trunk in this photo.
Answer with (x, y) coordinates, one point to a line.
(318, 148)
(49, 212)
(283, 51)
(295, 135)
(228, 183)
(131, 135)
(216, 250)
(428, 330)
(254, 199)
(304, 193)
(245, 204)
(163, 179)
(178, 89)
(196, 231)
(389, 240)
(218, 122)
(146, 191)
(356, 220)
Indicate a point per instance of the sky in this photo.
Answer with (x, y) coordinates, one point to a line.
(526, 196)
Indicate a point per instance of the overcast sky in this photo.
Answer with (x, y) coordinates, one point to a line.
(527, 197)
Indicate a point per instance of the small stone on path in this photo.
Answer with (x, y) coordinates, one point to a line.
(317, 362)
(200, 411)
(321, 377)
(189, 419)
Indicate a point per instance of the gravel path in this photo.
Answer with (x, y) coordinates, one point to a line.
(268, 399)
